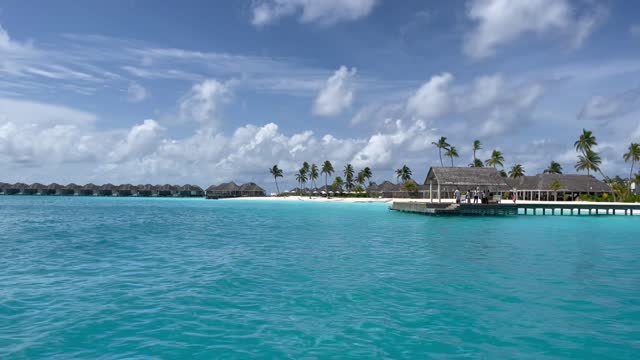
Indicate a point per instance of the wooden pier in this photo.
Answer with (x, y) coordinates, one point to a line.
(508, 209)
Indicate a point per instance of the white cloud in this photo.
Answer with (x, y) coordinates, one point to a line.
(432, 99)
(140, 141)
(337, 93)
(203, 103)
(136, 92)
(602, 107)
(30, 112)
(499, 22)
(324, 12)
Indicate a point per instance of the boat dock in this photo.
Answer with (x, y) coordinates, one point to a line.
(509, 209)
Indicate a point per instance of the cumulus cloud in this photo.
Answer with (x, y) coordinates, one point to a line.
(432, 99)
(499, 22)
(325, 12)
(603, 107)
(203, 103)
(32, 112)
(140, 141)
(136, 92)
(337, 93)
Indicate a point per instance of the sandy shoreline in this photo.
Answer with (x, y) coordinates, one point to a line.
(389, 200)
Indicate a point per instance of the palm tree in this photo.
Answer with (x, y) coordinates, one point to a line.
(496, 159)
(589, 161)
(503, 173)
(337, 184)
(516, 171)
(585, 142)
(554, 168)
(633, 155)
(476, 163)
(452, 152)
(276, 172)
(477, 146)
(313, 175)
(327, 170)
(360, 180)
(441, 144)
(367, 173)
(555, 186)
(301, 177)
(404, 173)
(348, 175)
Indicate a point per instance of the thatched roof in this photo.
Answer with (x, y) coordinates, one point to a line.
(37, 186)
(230, 186)
(71, 186)
(189, 187)
(90, 186)
(388, 186)
(54, 186)
(20, 186)
(467, 177)
(251, 187)
(107, 187)
(5, 186)
(568, 182)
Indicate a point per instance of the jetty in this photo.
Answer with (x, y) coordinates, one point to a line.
(507, 209)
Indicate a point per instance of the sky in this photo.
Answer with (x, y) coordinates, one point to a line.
(203, 92)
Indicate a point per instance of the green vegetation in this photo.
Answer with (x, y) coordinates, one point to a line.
(452, 152)
(516, 171)
(496, 159)
(441, 144)
(554, 168)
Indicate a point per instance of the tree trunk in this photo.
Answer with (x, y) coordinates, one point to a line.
(452, 161)
(440, 154)
(277, 188)
(326, 187)
(630, 175)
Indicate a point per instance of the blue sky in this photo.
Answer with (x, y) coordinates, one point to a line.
(203, 92)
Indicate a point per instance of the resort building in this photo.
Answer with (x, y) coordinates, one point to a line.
(441, 182)
(557, 187)
(232, 190)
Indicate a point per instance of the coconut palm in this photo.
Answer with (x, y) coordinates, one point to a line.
(496, 159)
(477, 146)
(301, 177)
(554, 168)
(360, 180)
(404, 173)
(503, 173)
(633, 155)
(516, 171)
(367, 173)
(555, 186)
(452, 152)
(589, 161)
(441, 144)
(476, 163)
(313, 174)
(585, 142)
(327, 170)
(337, 184)
(276, 172)
(348, 176)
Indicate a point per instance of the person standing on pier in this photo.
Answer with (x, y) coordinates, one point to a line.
(475, 196)
(468, 196)
(456, 194)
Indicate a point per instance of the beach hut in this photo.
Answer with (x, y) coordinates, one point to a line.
(124, 190)
(35, 189)
(144, 190)
(552, 187)
(252, 190)
(54, 189)
(443, 181)
(106, 190)
(390, 190)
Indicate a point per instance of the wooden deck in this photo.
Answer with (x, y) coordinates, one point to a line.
(509, 209)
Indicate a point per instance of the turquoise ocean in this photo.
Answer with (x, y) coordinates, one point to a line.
(116, 278)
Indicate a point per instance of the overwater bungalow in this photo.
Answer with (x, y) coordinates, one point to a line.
(190, 191)
(144, 190)
(70, 189)
(166, 190)
(125, 190)
(106, 190)
(557, 187)
(441, 182)
(54, 189)
(226, 190)
(251, 190)
(88, 190)
(3, 188)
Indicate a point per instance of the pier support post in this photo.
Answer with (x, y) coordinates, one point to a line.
(625, 211)
(553, 211)
(578, 211)
(430, 191)
(544, 211)
(525, 211)
(562, 211)
(438, 191)
(607, 211)
(589, 211)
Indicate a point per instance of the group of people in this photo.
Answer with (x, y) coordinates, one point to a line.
(476, 194)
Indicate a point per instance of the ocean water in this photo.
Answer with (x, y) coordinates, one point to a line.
(114, 278)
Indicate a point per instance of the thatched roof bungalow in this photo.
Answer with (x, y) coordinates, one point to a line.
(4, 187)
(443, 181)
(189, 190)
(557, 186)
(88, 190)
(251, 190)
(226, 190)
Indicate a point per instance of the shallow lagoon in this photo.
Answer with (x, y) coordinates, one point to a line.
(183, 278)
